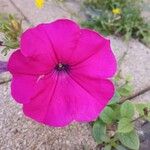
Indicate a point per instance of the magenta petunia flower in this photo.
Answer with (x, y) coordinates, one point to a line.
(60, 73)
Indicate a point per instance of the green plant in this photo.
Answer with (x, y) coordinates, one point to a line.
(117, 17)
(115, 128)
(11, 29)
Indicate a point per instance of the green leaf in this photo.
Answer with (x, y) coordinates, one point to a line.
(128, 78)
(120, 147)
(146, 39)
(99, 130)
(116, 109)
(107, 115)
(140, 109)
(125, 90)
(115, 99)
(130, 140)
(105, 138)
(107, 147)
(125, 125)
(127, 109)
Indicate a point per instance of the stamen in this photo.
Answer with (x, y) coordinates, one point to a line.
(62, 67)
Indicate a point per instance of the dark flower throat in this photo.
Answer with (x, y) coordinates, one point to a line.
(62, 67)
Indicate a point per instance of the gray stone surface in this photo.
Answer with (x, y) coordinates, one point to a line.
(6, 7)
(51, 11)
(142, 98)
(145, 144)
(137, 64)
(146, 10)
(18, 132)
(119, 47)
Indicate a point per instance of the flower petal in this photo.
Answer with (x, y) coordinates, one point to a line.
(36, 45)
(65, 100)
(100, 90)
(19, 64)
(89, 43)
(22, 87)
(37, 108)
(64, 35)
(50, 106)
(101, 64)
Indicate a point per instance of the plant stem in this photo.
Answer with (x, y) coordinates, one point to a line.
(139, 117)
(122, 58)
(135, 95)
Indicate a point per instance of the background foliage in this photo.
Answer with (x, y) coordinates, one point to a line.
(115, 129)
(119, 17)
(11, 28)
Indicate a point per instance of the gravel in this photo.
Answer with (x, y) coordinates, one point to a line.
(18, 132)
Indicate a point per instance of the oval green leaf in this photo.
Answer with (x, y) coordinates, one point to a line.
(120, 147)
(130, 140)
(127, 109)
(107, 115)
(115, 99)
(99, 130)
(125, 125)
(107, 147)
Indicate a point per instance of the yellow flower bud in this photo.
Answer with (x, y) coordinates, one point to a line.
(15, 25)
(116, 11)
(39, 3)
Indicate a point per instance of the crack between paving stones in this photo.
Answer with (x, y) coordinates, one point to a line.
(141, 92)
(5, 81)
(22, 14)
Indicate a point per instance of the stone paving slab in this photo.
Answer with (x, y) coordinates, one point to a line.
(6, 7)
(118, 46)
(137, 64)
(18, 132)
(51, 11)
(142, 98)
(146, 10)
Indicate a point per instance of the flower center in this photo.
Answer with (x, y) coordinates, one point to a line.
(62, 67)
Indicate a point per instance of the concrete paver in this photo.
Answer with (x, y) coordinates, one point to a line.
(137, 64)
(51, 11)
(19, 132)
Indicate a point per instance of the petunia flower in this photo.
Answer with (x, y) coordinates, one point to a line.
(60, 73)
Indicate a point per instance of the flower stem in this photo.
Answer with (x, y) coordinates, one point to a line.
(135, 95)
(136, 119)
